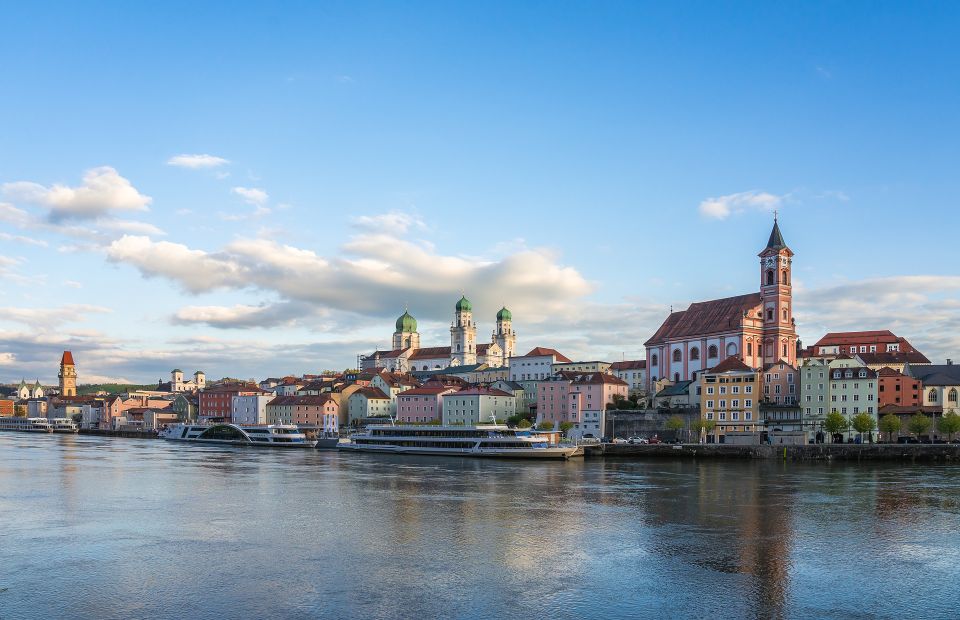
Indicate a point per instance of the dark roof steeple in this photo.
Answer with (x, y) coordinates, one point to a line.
(776, 241)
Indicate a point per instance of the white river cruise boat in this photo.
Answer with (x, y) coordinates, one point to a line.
(25, 425)
(64, 425)
(490, 440)
(269, 435)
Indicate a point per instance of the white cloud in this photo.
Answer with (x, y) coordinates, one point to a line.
(22, 239)
(394, 222)
(722, 207)
(197, 161)
(195, 270)
(103, 192)
(252, 195)
(7, 358)
(72, 284)
(47, 318)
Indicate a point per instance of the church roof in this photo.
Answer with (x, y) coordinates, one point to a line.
(67, 359)
(705, 317)
(629, 365)
(894, 357)
(430, 353)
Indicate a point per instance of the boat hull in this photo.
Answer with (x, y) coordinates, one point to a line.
(251, 444)
(561, 453)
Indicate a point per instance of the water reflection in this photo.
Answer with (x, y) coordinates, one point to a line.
(305, 533)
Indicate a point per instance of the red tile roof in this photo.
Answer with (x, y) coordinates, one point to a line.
(544, 351)
(706, 317)
(430, 352)
(481, 390)
(731, 364)
(427, 390)
(67, 359)
(371, 392)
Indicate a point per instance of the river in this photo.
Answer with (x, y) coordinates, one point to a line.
(94, 527)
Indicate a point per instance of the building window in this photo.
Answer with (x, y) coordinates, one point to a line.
(712, 351)
(653, 361)
(731, 349)
(952, 396)
(932, 396)
(694, 354)
(677, 355)
(769, 277)
(769, 314)
(749, 349)
(783, 279)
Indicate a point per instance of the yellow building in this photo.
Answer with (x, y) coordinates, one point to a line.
(730, 398)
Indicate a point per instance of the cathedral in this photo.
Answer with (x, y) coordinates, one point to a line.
(407, 355)
(758, 328)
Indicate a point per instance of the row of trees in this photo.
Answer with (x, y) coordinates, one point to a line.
(918, 424)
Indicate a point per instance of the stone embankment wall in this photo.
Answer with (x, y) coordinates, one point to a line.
(129, 434)
(939, 453)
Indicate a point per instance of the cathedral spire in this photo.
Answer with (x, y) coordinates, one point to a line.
(776, 241)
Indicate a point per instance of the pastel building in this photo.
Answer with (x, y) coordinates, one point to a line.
(814, 392)
(368, 402)
(633, 372)
(528, 370)
(580, 399)
(896, 388)
(731, 398)
(477, 405)
(322, 411)
(249, 408)
(757, 328)
(423, 404)
(853, 389)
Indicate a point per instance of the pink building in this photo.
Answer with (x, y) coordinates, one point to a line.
(578, 398)
(781, 384)
(423, 404)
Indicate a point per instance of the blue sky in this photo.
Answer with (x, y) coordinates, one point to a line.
(586, 164)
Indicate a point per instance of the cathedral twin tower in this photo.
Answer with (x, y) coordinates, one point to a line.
(464, 349)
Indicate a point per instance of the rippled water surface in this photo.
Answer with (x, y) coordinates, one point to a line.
(122, 528)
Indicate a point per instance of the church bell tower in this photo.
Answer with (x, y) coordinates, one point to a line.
(776, 293)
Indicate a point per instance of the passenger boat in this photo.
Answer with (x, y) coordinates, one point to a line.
(25, 425)
(485, 440)
(269, 435)
(64, 425)
(327, 441)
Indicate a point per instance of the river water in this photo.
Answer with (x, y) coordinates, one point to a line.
(95, 527)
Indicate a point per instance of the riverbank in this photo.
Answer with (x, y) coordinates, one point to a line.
(125, 434)
(912, 453)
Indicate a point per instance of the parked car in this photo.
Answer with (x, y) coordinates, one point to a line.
(637, 440)
(655, 439)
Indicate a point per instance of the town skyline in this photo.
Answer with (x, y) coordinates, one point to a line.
(275, 213)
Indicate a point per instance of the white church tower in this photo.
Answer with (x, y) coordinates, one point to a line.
(463, 335)
(505, 337)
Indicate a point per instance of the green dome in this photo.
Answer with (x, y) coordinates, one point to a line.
(406, 323)
(504, 315)
(464, 305)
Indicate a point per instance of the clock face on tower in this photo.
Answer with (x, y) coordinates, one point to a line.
(770, 261)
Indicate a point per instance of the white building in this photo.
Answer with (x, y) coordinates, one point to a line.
(477, 405)
(249, 409)
(177, 384)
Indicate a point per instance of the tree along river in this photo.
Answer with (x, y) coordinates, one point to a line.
(95, 527)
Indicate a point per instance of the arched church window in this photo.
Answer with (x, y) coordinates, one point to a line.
(784, 354)
(749, 349)
(784, 314)
(731, 349)
(677, 355)
(694, 354)
(769, 277)
(952, 396)
(712, 351)
(783, 277)
(932, 396)
(653, 359)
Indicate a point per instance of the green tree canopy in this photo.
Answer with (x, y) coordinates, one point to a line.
(835, 423)
(919, 424)
(565, 426)
(524, 423)
(864, 422)
(950, 423)
(675, 423)
(545, 426)
(701, 425)
(890, 424)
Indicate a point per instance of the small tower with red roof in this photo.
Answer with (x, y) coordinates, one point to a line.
(68, 375)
